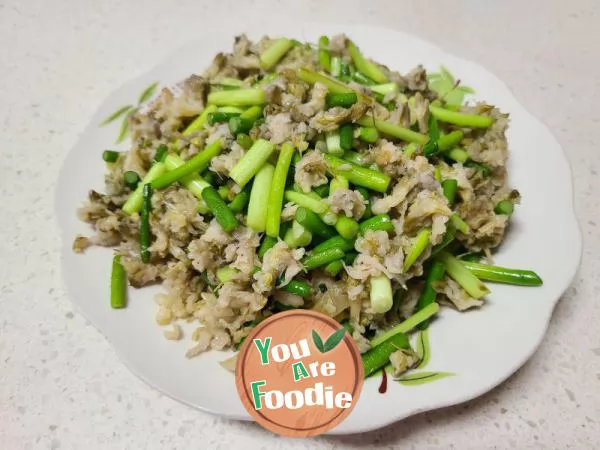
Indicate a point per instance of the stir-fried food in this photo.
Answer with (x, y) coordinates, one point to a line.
(290, 175)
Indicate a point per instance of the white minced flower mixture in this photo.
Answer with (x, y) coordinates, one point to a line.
(361, 162)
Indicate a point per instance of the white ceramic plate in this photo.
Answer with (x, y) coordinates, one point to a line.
(482, 347)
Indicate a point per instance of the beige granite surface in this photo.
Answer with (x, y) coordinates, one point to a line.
(61, 385)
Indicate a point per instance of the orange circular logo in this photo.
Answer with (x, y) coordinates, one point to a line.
(299, 373)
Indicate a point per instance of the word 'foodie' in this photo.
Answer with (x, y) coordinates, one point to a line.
(317, 395)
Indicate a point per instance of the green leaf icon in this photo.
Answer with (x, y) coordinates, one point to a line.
(333, 340)
(318, 341)
(417, 378)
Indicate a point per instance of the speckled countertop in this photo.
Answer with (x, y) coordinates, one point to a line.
(61, 385)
